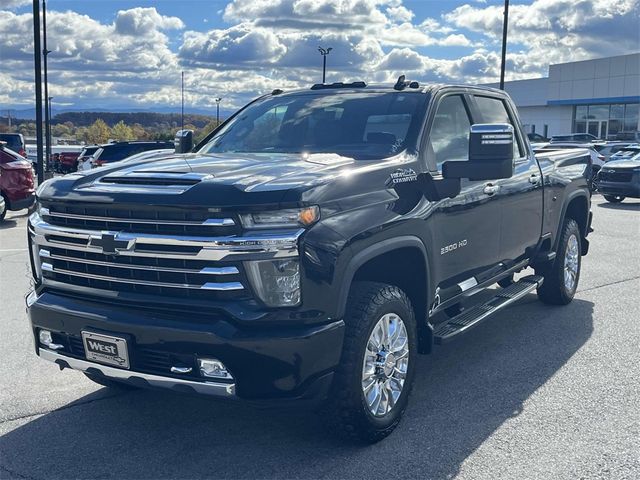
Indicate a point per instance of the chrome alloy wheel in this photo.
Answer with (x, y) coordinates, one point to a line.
(386, 360)
(571, 262)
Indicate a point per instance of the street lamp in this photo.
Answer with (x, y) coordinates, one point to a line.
(217, 100)
(505, 23)
(47, 112)
(324, 52)
(37, 56)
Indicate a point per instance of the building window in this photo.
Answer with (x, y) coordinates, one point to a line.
(605, 121)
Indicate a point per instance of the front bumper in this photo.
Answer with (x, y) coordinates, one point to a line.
(22, 203)
(267, 362)
(217, 389)
(630, 189)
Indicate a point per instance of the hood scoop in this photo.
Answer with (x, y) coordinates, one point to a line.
(149, 181)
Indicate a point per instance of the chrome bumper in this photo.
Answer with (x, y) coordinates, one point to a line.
(141, 379)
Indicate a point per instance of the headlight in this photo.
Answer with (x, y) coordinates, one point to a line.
(295, 217)
(276, 282)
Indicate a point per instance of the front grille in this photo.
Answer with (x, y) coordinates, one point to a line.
(170, 253)
(145, 275)
(163, 221)
(615, 176)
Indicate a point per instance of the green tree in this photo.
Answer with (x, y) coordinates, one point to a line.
(60, 130)
(99, 132)
(122, 132)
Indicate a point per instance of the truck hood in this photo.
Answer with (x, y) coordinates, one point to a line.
(212, 179)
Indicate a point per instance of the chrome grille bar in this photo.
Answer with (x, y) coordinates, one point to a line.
(211, 222)
(128, 266)
(47, 267)
(271, 244)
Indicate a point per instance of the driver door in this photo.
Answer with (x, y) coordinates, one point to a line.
(465, 230)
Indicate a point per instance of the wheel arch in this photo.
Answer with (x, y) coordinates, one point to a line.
(576, 207)
(400, 261)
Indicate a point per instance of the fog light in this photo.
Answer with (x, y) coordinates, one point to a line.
(213, 368)
(45, 337)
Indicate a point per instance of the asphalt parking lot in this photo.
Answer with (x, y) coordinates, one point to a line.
(537, 392)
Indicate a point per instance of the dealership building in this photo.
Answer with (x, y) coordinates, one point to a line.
(600, 96)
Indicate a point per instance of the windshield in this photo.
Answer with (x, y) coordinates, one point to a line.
(360, 125)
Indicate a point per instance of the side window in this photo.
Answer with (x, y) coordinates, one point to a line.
(494, 110)
(449, 134)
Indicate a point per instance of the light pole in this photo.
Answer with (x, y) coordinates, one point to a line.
(37, 62)
(47, 112)
(217, 100)
(324, 52)
(182, 114)
(505, 23)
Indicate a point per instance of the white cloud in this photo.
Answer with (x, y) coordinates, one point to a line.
(142, 21)
(137, 58)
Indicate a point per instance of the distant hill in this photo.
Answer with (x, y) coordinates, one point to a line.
(146, 119)
(30, 113)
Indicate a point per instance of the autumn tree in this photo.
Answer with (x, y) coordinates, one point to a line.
(99, 132)
(122, 132)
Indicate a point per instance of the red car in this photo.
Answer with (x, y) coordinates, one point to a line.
(17, 183)
(68, 162)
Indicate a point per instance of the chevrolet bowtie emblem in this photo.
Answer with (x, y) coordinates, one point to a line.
(110, 244)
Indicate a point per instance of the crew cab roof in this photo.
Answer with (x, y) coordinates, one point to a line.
(359, 87)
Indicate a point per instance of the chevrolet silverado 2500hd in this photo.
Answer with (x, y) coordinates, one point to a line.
(308, 249)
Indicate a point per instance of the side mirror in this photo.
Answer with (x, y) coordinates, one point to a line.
(183, 141)
(490, 154)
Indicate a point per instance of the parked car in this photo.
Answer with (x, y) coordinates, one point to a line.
(114, 152)
(597, 159)
(627, 136)
(536, 138)
(575, 137)
(627, 152)
(68, 161)
(84, 158)
(610, 148)
(619, 179)
(309, 250)
(17, 184)
(15, 142)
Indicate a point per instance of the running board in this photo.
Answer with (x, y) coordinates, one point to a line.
(468, 319)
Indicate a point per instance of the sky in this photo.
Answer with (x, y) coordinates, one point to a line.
(129, 54)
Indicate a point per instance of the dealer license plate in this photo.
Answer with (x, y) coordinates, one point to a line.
(106, 349)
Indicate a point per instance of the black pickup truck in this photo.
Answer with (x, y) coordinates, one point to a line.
(308, 249)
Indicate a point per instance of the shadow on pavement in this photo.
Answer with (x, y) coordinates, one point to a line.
(625, 205)
(463, 393)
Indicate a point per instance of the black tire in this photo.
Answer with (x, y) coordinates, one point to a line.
(346, 411)
(3, 210)
(107, 382)
(554, 289)
(614, 198)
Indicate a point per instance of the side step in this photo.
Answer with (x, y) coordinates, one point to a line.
(468, 319)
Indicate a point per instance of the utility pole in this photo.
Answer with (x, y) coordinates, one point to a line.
(324, 52)
(217, 100)
(182, 114)
(47, 113)
(37, 57)
(505, 23)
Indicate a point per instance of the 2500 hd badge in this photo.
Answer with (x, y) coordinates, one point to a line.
(453, 246)
(293, 256)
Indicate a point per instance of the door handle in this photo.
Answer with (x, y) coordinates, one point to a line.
(491, 189)
(534, 178)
